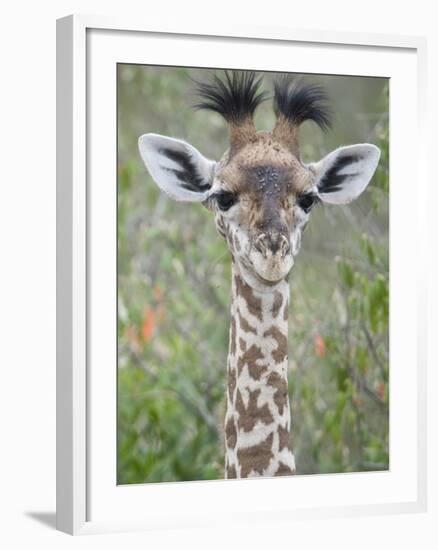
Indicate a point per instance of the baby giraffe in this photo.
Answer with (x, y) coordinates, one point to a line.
(261, 195)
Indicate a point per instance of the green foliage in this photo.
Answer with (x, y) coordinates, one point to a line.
(340, 393)
(173, 298)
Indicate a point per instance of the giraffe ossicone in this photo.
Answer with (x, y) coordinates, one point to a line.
(261, 195)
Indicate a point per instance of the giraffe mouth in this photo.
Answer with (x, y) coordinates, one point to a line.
(266, 281)
(253, 272)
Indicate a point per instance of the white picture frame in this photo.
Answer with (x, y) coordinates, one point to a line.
(88, 500)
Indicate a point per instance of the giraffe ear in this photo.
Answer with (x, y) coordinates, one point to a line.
(177, 167)
(343, 174)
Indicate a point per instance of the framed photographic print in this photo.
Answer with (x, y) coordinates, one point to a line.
(240, 275)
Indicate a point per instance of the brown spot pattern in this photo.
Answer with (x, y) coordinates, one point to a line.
(280, 353)
(284, 438)
(231, 433)
(280, 384)
(231, 383)
(244, 325)
(233, 336)
(253, 303)
(278, 301)
(285, 312)
(242, 344)
(255, 458)
(231, 472)
(249, 357)
(249, 416)
(284, 470)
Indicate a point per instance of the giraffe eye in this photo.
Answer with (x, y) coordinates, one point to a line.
(225, 200)
(306, 202)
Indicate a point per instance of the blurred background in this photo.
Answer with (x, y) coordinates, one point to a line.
(174, 287)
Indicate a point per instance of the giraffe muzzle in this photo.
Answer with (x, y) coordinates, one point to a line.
(271, 256)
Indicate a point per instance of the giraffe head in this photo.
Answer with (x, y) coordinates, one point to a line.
(260, 192)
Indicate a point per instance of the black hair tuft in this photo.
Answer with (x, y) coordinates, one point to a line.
(235, 97)
(298, 101)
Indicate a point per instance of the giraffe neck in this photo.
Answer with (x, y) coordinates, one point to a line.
(257, 420)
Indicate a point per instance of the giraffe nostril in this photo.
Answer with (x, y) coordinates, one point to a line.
(285, 246)
(276, 243)
(261, 244)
